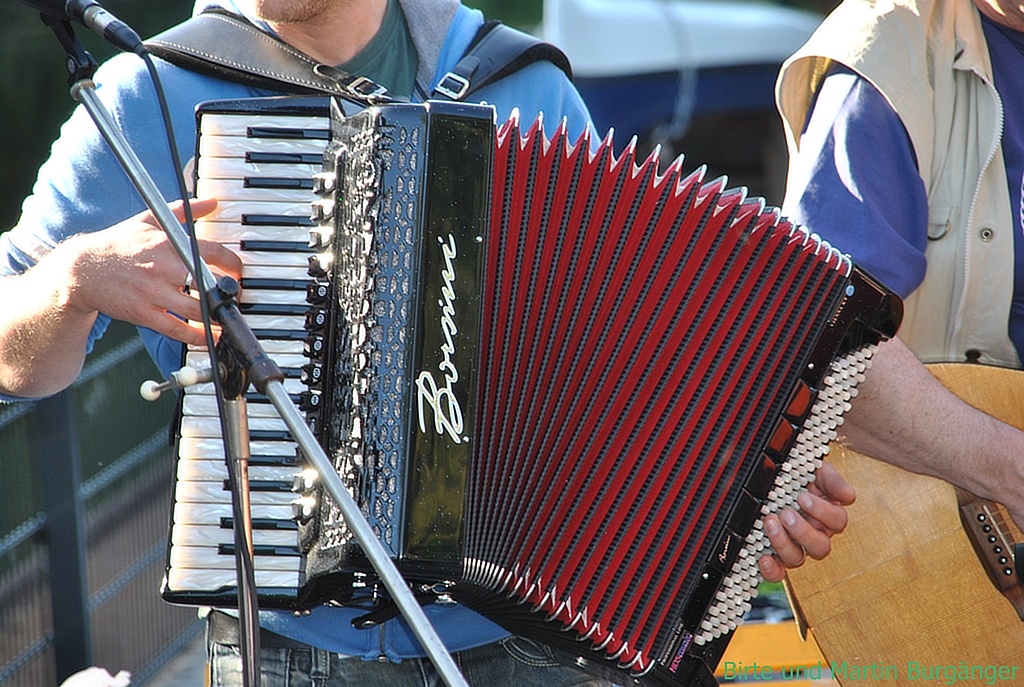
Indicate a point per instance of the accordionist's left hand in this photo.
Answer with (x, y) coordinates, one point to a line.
(797, 534)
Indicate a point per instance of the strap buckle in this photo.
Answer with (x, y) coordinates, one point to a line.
(365, 88)
(453, 86)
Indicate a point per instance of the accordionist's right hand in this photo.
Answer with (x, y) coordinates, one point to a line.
(132, 273)
(129, 271)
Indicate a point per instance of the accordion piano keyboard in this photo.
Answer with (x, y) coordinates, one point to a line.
(261, 170)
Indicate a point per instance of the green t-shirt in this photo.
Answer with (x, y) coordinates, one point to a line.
(390, 57)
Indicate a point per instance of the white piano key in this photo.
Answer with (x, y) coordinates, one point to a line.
(196, 427)
(222, 124)
(216, 471)
(293, 272)
(238, 190)
(270, 258)
(275, 347)
(215, 492)
(294, 327)
(237, 146)
(205, 405)
(274, 296)
(281, 347)
(232, 210)
(211, 535)
(200, 360)
(212, 559)
(282, 322)
(233, 232)
(292, 385)
(192, 581)
(214, 447)
(189, 514)
(240, 168)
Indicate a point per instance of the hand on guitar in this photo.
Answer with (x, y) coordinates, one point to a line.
(808, 532)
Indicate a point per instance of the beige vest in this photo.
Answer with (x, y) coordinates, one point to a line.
(930, 61)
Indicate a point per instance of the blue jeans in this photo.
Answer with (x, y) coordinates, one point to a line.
(512, 662)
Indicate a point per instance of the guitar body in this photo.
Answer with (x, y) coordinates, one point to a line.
(904, 597)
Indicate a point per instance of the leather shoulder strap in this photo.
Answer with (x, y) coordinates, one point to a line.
(496, 51)
(230, 48)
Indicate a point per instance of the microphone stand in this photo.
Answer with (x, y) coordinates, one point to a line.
(265, 376)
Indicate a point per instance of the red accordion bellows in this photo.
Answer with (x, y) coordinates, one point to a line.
(636, 326)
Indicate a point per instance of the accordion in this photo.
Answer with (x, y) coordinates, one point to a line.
(563, 385)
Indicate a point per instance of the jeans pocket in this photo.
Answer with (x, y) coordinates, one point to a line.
(528, 652)
(276, 666)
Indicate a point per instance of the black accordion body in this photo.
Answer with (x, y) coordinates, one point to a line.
(563, 386)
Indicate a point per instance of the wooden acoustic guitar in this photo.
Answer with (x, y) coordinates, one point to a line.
(923, 581)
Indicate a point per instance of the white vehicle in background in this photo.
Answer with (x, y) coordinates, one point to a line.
(696, 76)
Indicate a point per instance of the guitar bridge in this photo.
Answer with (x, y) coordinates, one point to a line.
(986, 527)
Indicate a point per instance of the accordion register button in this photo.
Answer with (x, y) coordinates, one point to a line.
(314, 346)
(321, 210)
(324, 182)
(726, 552)
(309, 401)
(303, 509)
(318, 292)
(316, 320)
(800, 403)
(305, 481)
(311, 374)
(319, 265)
(320, 238)
(762, 478)
(781, 441)
(703, 594)
(744, 514)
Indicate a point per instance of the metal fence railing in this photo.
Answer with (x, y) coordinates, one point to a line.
(84, 507)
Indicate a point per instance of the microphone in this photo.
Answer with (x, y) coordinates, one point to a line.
(91, 15)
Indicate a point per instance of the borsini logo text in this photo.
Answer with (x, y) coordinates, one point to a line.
(441, 399)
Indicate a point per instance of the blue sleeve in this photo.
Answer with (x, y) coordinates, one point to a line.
(82, 188)
(855, 182)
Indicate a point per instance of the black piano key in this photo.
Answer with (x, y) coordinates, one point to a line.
(294, 309)
(275, 284)
(257, 220)
(262, 524)
(275, 246)
(266, 485)
(278, 461)
(291, 133)
(281, 334)
(284, 158)
(260, 550)
(279, 183)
